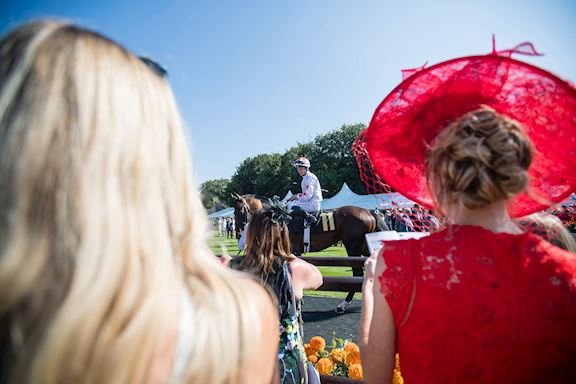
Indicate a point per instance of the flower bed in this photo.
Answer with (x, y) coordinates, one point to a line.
(340, 360)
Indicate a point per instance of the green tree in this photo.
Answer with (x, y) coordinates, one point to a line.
(259, 175)
(331, 157)
(333, 161)
(214, 192)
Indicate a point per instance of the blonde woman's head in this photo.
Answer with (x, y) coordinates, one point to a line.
(480, 159)
(101, 228)
(550, 228)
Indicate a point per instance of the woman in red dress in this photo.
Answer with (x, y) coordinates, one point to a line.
(480, 301)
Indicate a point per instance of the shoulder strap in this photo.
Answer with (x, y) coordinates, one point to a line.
(290, 290)
(295, 312)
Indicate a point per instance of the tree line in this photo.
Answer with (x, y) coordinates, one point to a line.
(272, 174)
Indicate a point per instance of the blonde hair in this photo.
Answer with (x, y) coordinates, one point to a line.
(481, 158)
(101, 228)
(550, 228)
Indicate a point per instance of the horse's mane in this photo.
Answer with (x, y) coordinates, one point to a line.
(255, 202)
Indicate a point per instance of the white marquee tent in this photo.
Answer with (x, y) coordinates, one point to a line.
(344, 197)
(381, 200)
(226, 212)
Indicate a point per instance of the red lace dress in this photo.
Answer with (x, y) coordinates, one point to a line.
(472, 306)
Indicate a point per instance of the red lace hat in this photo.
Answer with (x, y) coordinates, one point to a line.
(428, 99)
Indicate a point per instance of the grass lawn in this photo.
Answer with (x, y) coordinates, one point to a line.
(219, 245)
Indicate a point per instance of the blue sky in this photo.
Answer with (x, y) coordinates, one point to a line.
(257, 77)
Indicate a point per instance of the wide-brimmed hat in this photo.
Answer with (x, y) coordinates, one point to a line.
(411, 116)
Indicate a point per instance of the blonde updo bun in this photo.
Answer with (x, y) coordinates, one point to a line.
(481, 158)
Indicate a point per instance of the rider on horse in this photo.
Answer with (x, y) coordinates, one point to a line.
(311, 197)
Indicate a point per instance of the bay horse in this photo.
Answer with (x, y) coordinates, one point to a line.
(350, 225)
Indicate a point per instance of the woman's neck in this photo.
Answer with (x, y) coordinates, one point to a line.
(493, 217)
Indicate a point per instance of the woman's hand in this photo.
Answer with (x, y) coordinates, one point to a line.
(225, 259)
(368, 297)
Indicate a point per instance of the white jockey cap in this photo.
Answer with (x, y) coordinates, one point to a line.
(301, 162)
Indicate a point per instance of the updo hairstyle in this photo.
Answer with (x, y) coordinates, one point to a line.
(481, 158)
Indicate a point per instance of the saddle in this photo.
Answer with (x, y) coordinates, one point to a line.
(324, 222)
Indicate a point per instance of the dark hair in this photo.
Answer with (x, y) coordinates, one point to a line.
(267, 240)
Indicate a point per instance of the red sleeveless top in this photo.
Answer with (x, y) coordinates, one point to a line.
(472, 306)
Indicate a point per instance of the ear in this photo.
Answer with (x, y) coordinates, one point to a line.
(235, 196)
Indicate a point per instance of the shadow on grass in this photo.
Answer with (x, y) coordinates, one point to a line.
(328, 314)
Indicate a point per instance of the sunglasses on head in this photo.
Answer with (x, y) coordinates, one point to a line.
(154, 66)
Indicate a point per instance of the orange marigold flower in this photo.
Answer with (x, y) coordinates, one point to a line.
(351, 347)
(355, 372)
(309, 350)
(325, 366)
(317, 343)
(353, 358)
(313, 358)
(338, 355)
(397, 376)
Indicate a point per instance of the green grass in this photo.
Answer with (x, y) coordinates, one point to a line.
(219, 245)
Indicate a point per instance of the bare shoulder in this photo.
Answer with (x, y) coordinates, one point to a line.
(258, 297)
(296, 262)
(305, 273)
(299, 266)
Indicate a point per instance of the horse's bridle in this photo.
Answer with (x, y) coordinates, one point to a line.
(245, 214)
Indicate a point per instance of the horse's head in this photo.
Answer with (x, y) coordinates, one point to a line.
(244, 207)
(241, 213)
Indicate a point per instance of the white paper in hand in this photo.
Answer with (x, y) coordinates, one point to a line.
(375, 240)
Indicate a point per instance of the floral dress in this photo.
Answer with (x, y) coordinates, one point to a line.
(291, 355)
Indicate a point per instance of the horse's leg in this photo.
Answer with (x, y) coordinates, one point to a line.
(353, 248)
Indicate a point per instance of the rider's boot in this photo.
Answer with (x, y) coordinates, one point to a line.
(309, 219)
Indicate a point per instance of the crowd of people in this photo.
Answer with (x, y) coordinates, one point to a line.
(418, 219)
(224, 226)
(106, 275)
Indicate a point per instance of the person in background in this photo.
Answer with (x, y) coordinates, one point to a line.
(311, 197)
(431, 222)
(105, 273)
(417, 219)
(242, 239)
(222, 226)
(229, 229)
(403, 221)
(550, 228)
(390, 219)
(268, 257)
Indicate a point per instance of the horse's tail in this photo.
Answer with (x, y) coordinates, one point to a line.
(380, 222)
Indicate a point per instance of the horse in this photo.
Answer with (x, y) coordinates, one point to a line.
(350, 225)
